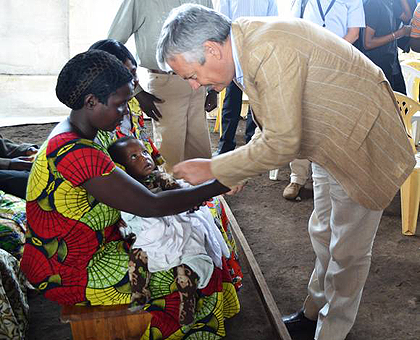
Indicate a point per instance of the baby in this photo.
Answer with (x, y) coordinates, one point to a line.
(189, 243)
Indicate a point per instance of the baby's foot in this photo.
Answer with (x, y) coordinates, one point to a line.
(187, 308)
(139, 299)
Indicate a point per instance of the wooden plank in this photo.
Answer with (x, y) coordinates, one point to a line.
(267, 299)
(78, 313)
(128, 327)
(106, 322)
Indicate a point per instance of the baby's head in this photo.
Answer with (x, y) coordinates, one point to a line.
(133, 155)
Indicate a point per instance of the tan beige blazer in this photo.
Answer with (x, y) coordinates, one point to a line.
(315, 96)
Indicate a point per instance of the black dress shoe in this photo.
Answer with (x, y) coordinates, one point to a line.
(298, 322)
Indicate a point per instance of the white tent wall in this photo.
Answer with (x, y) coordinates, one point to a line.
(37, 37)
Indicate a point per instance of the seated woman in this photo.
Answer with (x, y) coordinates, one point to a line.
(189, 243)
(74, 253)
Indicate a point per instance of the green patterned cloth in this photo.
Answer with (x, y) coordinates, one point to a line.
(12, 224)
(14, 308)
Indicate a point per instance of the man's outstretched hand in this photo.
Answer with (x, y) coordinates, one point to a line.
(235, 190)
(197, 171)
(194, 171)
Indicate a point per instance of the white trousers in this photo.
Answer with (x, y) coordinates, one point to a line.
(182, 132)
(300, 171)
(342, 233)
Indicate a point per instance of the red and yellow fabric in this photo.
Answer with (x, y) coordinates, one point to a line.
(74, 253)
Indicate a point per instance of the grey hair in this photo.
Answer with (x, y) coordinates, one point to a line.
(185, 31)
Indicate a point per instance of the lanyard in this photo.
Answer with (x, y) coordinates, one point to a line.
(322, 12)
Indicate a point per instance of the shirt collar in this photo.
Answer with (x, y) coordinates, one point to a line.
(239, 75)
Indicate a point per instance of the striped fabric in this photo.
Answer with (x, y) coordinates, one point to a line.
(316, 97)
(415, 23)
(234, 9)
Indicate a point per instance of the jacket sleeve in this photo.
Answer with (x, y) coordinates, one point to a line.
(274, 83)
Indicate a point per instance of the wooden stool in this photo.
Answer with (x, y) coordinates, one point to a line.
(105, 322)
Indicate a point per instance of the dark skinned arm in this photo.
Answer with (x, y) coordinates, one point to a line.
(20, 163)
(372, 42)
(406, 14)
(147, 104)
(120, 191)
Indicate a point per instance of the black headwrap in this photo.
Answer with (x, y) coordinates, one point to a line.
(93, 72)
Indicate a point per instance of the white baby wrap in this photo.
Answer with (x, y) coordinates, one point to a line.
(187, 238)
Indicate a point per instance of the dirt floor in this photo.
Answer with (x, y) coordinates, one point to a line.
(276, 231)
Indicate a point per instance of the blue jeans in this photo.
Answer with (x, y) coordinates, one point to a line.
(14, 182)
(231, 112)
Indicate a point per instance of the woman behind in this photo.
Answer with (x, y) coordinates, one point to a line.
(132, 123)
(74, 253)
(381, 35)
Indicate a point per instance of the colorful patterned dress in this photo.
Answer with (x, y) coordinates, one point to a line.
(74, 253)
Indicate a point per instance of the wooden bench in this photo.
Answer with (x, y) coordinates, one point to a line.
(105, 322)
(257, 276)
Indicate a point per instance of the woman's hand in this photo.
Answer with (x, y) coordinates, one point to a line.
(147, 104)
(405, 30)
(21, 163)
(197, 207)
(31, 151)
(211, 101)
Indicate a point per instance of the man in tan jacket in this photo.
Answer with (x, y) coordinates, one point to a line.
(316, 97)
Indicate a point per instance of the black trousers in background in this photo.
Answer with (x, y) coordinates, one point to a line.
(14, 182)
(231, 112)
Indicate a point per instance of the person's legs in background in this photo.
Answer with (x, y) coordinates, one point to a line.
(231, 112)
(393, 74)
(197, 139)
(250, 126)
(171, 131)
(300, 171)
(14, 182)
(398, 83)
